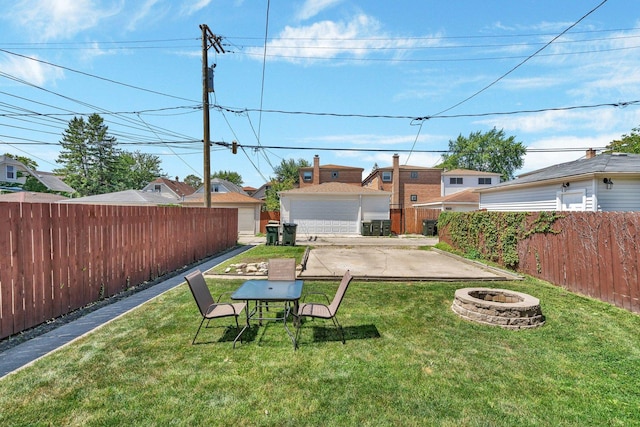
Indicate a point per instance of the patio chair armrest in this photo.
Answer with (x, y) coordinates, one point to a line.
(223, 294)
(316, 293)
(233, 307)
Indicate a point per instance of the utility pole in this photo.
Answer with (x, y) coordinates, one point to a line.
(208, 40)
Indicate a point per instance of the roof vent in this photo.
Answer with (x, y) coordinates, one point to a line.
(619, 154)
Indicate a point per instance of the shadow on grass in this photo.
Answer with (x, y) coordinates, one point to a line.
(208, 335)
(330, 333)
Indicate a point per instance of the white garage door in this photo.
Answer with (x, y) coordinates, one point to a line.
(325, 216)
(246, 221)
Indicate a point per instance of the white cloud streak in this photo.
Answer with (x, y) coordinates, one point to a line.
(58, 19)
(311, 8)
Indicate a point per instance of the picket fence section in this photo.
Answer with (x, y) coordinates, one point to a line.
(56, 258)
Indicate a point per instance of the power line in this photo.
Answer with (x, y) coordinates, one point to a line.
(523, 62)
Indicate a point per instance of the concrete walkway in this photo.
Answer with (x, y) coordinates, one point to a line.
(29, 351)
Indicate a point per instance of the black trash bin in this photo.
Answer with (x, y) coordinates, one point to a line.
(289, 234)
(385, 228)
(376, 227)
(429, 227)
(366, 229)
(272, 234)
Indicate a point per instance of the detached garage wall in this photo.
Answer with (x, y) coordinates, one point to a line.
(332, 213)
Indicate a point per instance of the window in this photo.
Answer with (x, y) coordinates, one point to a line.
(386, 176)
(414, 197)
(334, 174)
(216, 188)
(307, 175)
(157, 188)
(11, 173)
(455, 181)
(414, 174)
(484, 181)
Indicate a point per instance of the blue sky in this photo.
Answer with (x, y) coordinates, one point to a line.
(345, 79)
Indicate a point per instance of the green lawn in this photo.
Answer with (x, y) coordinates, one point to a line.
(408, 361)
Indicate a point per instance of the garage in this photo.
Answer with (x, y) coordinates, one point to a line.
(247, 220)
(332, 208)
(325, 216)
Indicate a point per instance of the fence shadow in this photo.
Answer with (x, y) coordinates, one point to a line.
(330, 333)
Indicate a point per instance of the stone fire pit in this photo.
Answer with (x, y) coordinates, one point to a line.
(498, 307)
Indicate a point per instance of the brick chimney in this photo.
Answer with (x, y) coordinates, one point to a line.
(316, 170)
(395, 180)
(591, 153)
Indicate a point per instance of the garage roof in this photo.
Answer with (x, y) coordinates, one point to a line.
(335, 188)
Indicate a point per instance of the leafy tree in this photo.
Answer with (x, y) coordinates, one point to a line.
(287, 170)
(230, 176)
(627, 144)
(194, 181)
(486, 152)
(136, 169)
(272, 200)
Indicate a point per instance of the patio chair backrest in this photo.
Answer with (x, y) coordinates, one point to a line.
(282, 269)
(200, 291)
(342, 289)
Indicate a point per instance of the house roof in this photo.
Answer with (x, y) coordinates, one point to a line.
(30, 197)
(464, 197)
(335, 188)
(180, 188)
(231, 198)
(467, 172)
(52, 182)
(126, 197)
(402, 168)
(330, 166)
(618, 163)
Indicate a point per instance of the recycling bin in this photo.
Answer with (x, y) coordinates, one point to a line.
(386, 227)
(272, 234)
(376, 227)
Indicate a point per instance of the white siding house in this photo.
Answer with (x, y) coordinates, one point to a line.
(607, 182)
(457, 180)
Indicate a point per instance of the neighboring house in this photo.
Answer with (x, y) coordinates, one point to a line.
(13, 175)
(31, 197)
(605, 182)
(457, 180)
(317, 174)
(461, 201)
(249, 190)
(124, 198)
(408, 184)
(175, 190)
(225, 194)
(332, 208)
(12, 172)
(261, 193)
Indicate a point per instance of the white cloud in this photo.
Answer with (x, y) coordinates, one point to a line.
(31, 71)
(144, 13)
(58, 19)
(311, 8)
(356, 38)
(192, 6)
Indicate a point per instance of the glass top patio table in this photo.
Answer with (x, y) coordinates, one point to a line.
(269, 290)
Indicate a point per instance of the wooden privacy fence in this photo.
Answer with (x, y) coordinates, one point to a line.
(413, 219)
(56, 258)
(591, 253)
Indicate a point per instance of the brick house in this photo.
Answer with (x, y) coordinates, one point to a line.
(321, 174)
(408, 184)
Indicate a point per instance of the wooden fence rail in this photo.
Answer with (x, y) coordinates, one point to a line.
(596, 254)
(56, 258)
